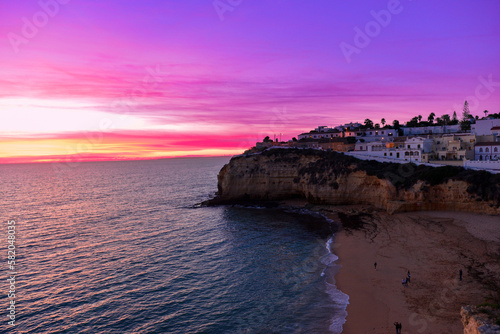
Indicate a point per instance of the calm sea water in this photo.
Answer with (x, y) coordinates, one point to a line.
(121, 247)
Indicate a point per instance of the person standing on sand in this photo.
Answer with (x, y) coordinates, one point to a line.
(460, 274)
(375, 265)
(409, 276)
(398, 327)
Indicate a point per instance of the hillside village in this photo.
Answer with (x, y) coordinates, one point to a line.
(471, 142)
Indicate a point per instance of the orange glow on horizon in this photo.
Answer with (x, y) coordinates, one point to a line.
(79, 150)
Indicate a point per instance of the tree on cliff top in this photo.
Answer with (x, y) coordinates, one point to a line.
(368, 123)
(431, 117)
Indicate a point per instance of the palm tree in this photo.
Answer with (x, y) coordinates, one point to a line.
(431, 117)
(382, 121)
(419, 118)
(368, 123)
(486, 113)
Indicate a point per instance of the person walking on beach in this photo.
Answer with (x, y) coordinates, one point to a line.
(398, 327)
(409, 276)
(375, 265)
(460, 274)
(403, 281)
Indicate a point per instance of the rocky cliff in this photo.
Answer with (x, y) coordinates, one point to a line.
(334, 178)
(476, 323)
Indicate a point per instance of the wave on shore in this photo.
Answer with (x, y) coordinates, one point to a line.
(340, 299)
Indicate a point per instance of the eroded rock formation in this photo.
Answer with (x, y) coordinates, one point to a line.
(334, 178)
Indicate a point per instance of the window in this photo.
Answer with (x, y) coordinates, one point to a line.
(495, 149)
(390, 154)
(360, 148)
(385, 154)
(487, 150)
(480, 150)
(418, 146)
(408, 146)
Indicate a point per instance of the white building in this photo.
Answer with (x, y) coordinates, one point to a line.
(484, 127)
(413, 149)
(495, 131)
(321, 133)
(454, 146)
(425, 130)
(370, 135)
(487, 151)
(348, 126)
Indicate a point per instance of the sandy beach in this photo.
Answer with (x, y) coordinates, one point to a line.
(433, 246)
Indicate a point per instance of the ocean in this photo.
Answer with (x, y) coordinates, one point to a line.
(123, 247)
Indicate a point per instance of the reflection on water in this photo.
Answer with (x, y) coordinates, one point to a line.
(117, 247)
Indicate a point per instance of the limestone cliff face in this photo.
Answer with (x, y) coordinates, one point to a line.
(474, 323)
(333, 178)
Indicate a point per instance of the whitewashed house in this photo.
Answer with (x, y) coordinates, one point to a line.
(487, 151)
(484, 127)
(369, 135)
(414, 149)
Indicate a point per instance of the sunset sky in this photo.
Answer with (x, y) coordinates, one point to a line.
(107, 80)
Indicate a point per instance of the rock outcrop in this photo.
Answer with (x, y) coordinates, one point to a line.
(334, 178)
(475, 323)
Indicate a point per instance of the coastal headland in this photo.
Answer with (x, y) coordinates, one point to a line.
(326, 177)
(430, 221)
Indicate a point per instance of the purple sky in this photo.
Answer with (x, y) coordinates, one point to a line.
(177, 71)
